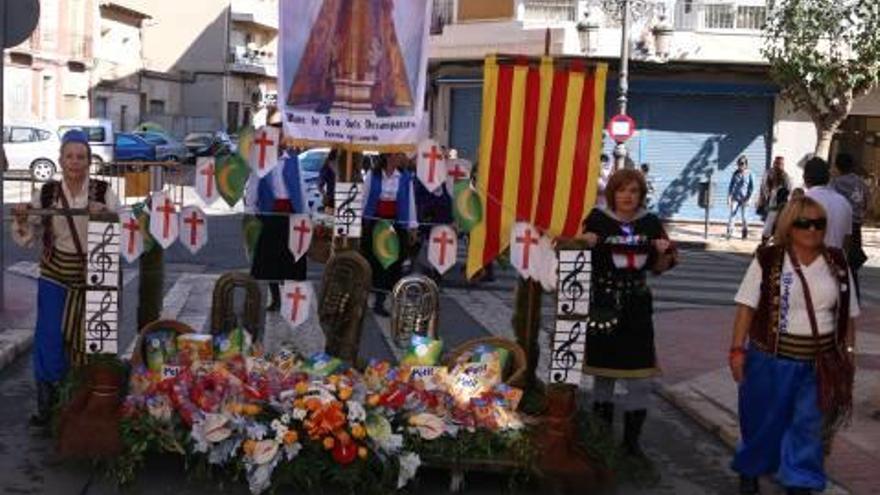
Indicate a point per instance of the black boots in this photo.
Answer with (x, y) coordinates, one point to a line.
(748, 485)
(632, 430)
(798, 491)
(604, 414)
(46, 396)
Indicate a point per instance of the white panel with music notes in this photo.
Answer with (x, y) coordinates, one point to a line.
(349, 205)
(102, 288)
(569, 346)
(573, 286)
(103, 259)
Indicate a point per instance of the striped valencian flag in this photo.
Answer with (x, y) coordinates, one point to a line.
(540, 143)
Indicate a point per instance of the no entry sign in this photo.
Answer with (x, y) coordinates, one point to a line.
(621, 127)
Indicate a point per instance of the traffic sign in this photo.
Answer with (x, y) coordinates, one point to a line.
(621, 127)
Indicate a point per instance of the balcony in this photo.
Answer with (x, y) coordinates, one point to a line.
(79, 47)
(247, 60)
(744, 16)
(547, 10)
(261, 14)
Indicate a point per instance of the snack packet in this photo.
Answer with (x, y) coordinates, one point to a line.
(423, 351)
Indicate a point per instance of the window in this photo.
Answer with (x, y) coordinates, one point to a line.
(157, 107)
(21, 135)
(42, 135)
(126, 141)
(101, 106)
(96, 134)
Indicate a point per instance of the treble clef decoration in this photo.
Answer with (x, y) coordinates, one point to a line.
(100, 261)
(348, 210)
(97, 328)
(571, 287)
(565, 357)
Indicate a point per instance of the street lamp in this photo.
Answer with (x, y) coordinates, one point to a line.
(624, 11)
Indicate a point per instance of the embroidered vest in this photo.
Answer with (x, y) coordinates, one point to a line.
(402, 199)
(764, 332)
(50, 195)
(290, 172)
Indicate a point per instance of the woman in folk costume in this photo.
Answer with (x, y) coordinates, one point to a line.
(59, 338)
(279, 194)
(627, 242)
(791, 352)
(389, 196)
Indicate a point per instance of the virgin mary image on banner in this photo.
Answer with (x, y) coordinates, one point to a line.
(353, 62)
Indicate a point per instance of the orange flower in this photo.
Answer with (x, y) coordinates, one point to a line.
(299, 403)
(343, 437)
(313, 404)
(290, 437)
(301, 388)
(325, 420)
(329, 443)
(363, 452)
(358, 431)
(373, 400)
(344, 393)
(251, 409)
(249, 446)
(333, 379)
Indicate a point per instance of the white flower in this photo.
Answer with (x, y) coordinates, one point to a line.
(409, 464)
(292, 450)
(356, 412)
(285, 418)
(391, 443)
(300, 414)
(256, 431)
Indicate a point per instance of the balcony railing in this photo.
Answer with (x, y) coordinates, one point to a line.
(744, 16)
(549, 10)
(79, 46)
(441, 14)
(243, 59)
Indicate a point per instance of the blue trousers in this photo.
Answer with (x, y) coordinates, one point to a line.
(780, 422)
(737, 207)
(50, 361)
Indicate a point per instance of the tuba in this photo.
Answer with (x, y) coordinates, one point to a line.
(415, 304)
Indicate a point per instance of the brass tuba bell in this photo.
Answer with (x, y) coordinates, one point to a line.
(415, 304)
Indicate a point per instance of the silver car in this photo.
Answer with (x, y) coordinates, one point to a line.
(32, 148)
(167, 148)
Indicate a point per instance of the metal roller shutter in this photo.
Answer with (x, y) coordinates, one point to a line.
(465, 114)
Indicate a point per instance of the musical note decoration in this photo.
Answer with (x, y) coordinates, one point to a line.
(349, 205)
(193, 229)
(572, 308)
(132, 238)
(102, 288)
(296, 302)
(300, 235)
(443, 248)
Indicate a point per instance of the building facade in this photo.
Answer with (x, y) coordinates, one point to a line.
(699, 88)
(49, 76)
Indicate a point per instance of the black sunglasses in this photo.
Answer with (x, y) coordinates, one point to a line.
(806, 223)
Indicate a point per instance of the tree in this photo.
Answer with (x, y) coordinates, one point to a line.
(824, 54)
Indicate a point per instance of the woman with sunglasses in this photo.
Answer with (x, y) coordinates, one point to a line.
(795, 310)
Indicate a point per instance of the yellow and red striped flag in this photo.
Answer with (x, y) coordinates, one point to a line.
(540, 143)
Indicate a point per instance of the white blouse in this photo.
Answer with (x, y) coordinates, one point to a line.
(793, 317)
(24, 235)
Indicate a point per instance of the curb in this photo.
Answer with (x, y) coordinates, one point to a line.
(14, 343)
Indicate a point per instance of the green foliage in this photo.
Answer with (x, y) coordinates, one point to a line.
(824, 54)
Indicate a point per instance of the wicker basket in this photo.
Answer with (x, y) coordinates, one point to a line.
(514, 375)
(138, 357)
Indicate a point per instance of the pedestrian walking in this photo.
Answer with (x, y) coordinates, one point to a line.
(59, 337)
(791, 352)
(739, 192)
(649, 181)
(855, 190)
(273, 199)
(389, 196)
(627, 242)
(817, 175)
(327, 179)
(774, 193)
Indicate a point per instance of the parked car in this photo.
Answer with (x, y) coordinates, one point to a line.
(167, 148)
(131, 147)
(33, 148)
(208, 144)
(100, 133)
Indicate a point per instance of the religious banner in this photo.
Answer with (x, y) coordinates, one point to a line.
(354, 71)
(301, 231)
(540, 144)
(524, 253)
(132, 239)
(296, 302)
(458, 169)
(206, 181)
(163, 219)
(349, 204)
(193, 229)
(430, 165)
(443, 248)
(263, 155)
(102, 288)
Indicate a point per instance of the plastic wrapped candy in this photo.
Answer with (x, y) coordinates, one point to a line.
(470, 380)
(231, 344)
(195, 347)
(429, 377)
(322, 364)
(160, 349)
(423, 351)
(485, 352)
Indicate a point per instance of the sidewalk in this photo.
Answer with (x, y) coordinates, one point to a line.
(692, 233)
(692, 347)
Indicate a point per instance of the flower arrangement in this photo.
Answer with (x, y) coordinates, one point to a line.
(282, 419)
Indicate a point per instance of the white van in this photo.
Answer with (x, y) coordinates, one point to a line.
(31, 147)
(100, 132)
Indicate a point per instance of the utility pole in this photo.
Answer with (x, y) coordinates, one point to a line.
(620, 150)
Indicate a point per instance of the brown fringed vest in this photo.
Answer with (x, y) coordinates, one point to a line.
(764, 333)
(49, 195)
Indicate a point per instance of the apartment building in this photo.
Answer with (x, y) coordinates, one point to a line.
(699, 88)
(49, 76)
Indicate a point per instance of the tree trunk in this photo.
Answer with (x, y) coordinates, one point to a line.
(823, 142)
(152, 279)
